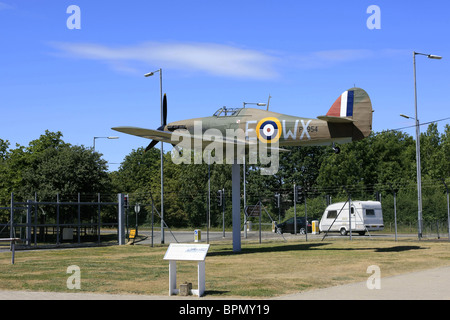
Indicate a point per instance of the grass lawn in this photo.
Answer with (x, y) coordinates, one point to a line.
(260, 270)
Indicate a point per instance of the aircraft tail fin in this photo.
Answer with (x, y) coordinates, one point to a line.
(352, 106)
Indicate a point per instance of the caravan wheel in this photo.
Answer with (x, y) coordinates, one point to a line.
(343, 232)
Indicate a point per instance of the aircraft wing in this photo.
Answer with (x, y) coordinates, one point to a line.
(166, 136)
(163, 136)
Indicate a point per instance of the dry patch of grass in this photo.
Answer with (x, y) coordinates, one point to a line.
(260, 270)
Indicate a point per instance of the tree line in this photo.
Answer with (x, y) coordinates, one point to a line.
(374, 167)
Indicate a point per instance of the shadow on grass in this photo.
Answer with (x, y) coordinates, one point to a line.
(283, 248)
(388, 249)
(309, 246)
(399, 249)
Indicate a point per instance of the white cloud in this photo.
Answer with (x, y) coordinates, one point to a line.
(330, 58)
(5, 6)
(215, 59)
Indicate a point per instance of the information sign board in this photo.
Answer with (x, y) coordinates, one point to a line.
(186, 252)
(252, 211)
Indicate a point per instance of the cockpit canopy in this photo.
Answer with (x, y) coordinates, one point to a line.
(227, 112)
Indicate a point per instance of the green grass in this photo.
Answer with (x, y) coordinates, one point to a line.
(260, 270)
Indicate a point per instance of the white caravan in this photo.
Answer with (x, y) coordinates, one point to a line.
(365, 216)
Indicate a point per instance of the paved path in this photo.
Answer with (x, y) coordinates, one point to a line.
(433, 284)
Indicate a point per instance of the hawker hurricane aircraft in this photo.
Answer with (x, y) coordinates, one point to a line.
(349, 119)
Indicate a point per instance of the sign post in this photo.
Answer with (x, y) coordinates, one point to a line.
(186, 252)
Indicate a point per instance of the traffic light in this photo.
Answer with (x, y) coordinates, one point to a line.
(125, 201)
(220, 198)
(277, 200)
(328, 199)
(299, 194)
(378, 196)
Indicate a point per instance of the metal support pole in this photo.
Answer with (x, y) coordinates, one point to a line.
(223, 212)
(419, 175)
(260, 205)
(11, 229)
(349, 213)
(448, 215)
(395, 210)
(395, 214)
(35, 219)
(279, 208)
(153, 219)
(236, 205)
(448, 208)
(295, 209)
(99, 220)
(209, 200)
(121, 219)
(245, 198)
(162, 160)
(29, 211)
(79, 219)
(306, 220)
(13, 249)
(57, 220)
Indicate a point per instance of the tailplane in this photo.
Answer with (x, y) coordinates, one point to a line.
(352, 106)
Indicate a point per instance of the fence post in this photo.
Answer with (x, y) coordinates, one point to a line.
(448, 207)
(11, 230)
(79, 219)
(121, 219)
(58, 229)
(29, 210)
(99, 218)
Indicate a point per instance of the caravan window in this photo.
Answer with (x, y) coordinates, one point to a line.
(332, 214)
(370, 212)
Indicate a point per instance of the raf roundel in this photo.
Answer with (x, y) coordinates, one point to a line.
(268, 130)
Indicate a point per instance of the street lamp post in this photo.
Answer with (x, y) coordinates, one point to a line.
(103, 138)
(419, 175)
(162, 152)
(259, 104)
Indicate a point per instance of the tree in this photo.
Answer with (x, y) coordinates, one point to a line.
(445, 160)
(382, 158)
(431, 153)
(49, 166)
(4, 155)
(138, 173)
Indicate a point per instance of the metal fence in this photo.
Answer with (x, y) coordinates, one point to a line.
(64, 222)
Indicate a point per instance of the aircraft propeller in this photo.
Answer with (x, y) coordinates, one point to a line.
(161, 128)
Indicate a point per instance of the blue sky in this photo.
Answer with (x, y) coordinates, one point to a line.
(213, 53)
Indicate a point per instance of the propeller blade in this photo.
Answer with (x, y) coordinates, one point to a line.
(151, 145)
(165, 110)
(161, 128)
